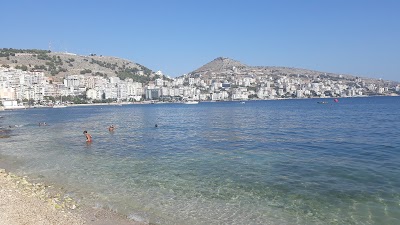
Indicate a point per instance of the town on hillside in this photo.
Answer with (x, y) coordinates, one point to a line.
(222, 79)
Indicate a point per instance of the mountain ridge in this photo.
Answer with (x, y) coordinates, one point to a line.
(61, 64)
(220, 63)
(224, 66)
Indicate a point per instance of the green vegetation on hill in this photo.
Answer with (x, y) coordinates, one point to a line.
(104, 64)
(40, 67)
(5, 52)
(132, 73)
(85, 71)
(23, 68)
(145, 70)
(53, 64)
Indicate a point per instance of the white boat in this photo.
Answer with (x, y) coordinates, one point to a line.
(191, 102)
(59, 106)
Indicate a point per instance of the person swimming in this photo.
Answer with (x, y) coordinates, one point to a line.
(88, 136)
(111, 128)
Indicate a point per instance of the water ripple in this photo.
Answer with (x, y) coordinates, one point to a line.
(268, 162)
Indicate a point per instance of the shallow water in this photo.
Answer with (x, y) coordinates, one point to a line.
(263, 162)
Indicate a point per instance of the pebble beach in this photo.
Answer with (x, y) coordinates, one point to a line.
(24, 202)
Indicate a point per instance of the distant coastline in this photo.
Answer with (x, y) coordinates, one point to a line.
(57, 78)
(209, 101)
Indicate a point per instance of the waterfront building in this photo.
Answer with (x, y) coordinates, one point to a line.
(299, 94)
(12, 104)
(110, 91)
(72, 81)
(231, 84)
(93, 94)
(7, 93)
(153, 94)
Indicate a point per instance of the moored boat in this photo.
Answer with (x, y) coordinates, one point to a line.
(191, 102)
(59, 106)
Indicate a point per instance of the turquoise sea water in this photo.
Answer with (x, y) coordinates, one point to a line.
(263, 162)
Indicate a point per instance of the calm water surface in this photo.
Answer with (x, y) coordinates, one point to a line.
(263, 162)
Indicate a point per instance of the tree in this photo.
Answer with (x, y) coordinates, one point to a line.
(31, 101)
(253, 96)
(85, 71)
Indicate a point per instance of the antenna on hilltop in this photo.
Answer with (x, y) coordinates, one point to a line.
(50, 46)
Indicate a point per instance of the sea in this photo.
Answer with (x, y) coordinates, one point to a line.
(261, 162)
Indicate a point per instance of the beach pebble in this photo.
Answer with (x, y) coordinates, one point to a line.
(20, 204)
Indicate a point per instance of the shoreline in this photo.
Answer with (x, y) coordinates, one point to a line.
(25, 202)
(149, 103)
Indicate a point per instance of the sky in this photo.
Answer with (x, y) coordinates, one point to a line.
(356, 37)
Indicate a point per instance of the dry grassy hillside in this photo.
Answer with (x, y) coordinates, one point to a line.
(59, 64)
(225, 67)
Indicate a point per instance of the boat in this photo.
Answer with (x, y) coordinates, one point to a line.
(59, 106)
(190, 102)
(322, 102)
(242, 102)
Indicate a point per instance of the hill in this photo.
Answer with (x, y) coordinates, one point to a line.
(219, 65)
(225, 68)
(60, 64)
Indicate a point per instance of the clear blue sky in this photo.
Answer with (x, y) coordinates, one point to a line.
(358, 37)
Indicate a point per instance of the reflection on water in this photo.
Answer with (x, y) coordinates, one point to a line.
(270, 162)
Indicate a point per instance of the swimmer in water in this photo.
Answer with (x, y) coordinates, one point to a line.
(111, 128)
(88, 136)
